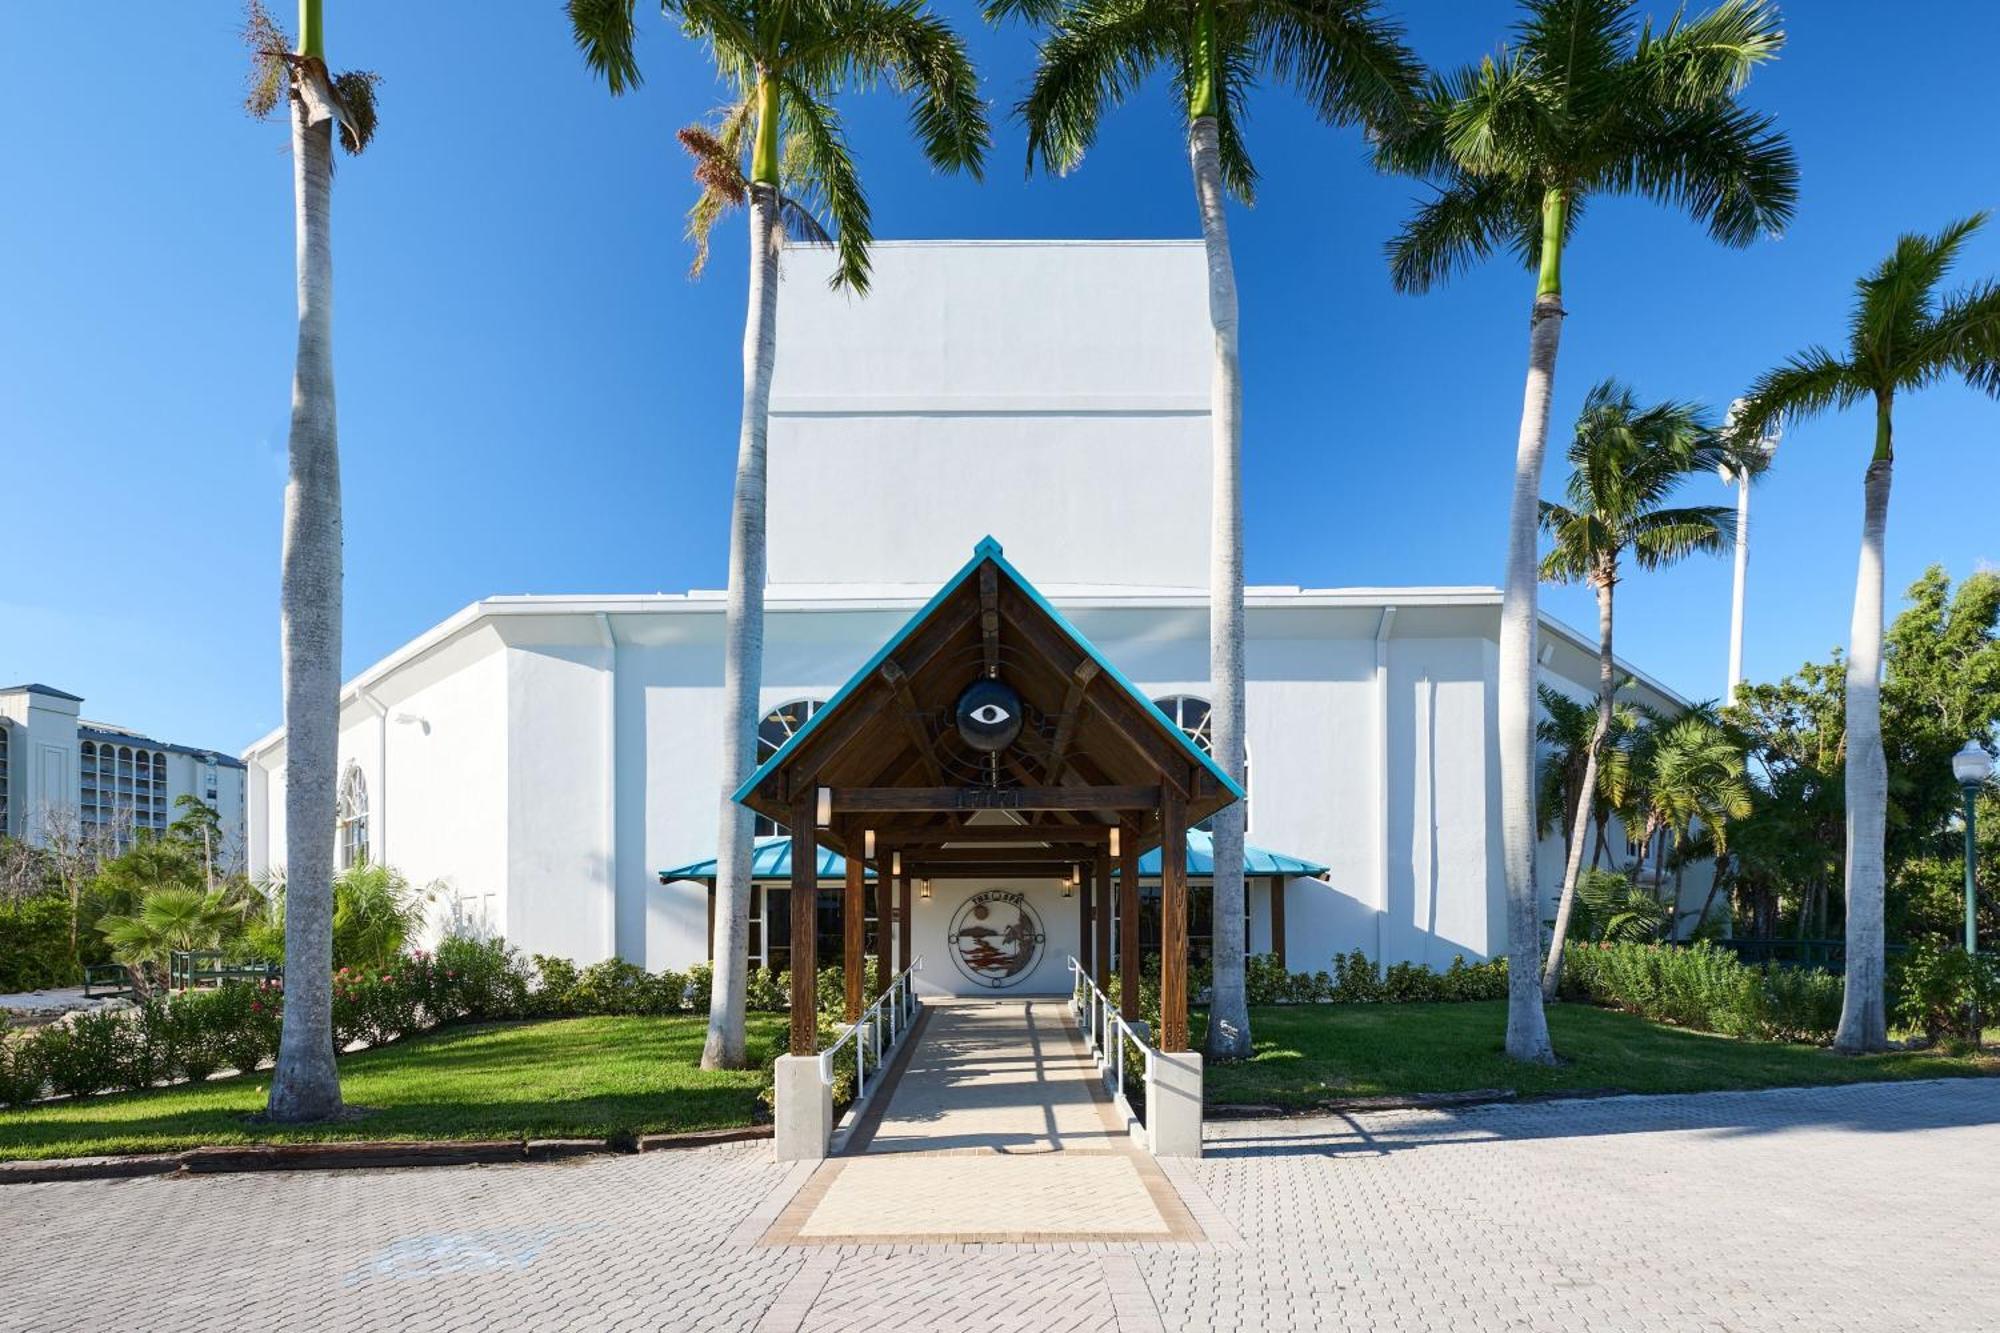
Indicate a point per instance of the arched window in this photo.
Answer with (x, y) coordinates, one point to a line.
(1190, 714)
(350, 815)
(780, 725)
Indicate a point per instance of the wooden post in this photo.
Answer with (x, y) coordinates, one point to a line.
(1084, 953)
(853, 923)
(805, 928)
(1278, 918)
(1173, 922)
(903, 918)
(885, 924)
(1104, 901)
(1128, 923)
(711, 921)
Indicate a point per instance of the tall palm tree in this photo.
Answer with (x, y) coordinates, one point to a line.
(1351, 64)
(786, 63)
(1626, 463)
(1694, 773)
(304, 1083)
(1905, 333)
(1585, 103)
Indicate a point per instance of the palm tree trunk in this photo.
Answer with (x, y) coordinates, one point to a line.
(1229, 1011)
(1586, 801)
(1739, 578)
(743, 660)
(1864, 1024)
(1527, 1024)
(305, 1086)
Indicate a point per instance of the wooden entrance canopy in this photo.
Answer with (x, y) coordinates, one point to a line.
(889, 756)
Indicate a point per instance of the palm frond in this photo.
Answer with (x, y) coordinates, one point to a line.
(604, 31)
(1342, 56)
(901, 42)
(1668, 535)
(1894, 302)
(718, 169)
(827, 182)
(1704, 60)
(1092, 60)
(1463, 223)
(1803, 387)
(1724, 166)
(1965, 336)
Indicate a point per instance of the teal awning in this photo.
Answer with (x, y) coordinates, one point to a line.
(772, 859)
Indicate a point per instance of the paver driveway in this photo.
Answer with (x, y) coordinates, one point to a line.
(1857, 1208)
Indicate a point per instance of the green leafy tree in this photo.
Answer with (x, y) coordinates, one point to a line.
(1906, 332)
(305, 1086)
(786, 64)
(1584, 103)
(1627, 462)
(1350, 65)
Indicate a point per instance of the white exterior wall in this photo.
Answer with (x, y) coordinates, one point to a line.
(1052, 393)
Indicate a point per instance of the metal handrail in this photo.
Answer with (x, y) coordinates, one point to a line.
(1103, 1022)
(900, 999)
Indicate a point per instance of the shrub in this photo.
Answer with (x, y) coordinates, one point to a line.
(1703, 987)
(615, 986)
(1938, 988)
(556, 992)
(701, 987)
(80, 1055)
(34, 944)
(482, 980)
(1265, 980)
(769, 991)
(20, 1071)
(1355, 980)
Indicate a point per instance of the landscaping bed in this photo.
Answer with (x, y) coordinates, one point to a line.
(1311, 1055)
(581, 1078)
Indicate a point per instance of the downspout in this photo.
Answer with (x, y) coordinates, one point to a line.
(1383, 629)
(378, 805)
(609, 642)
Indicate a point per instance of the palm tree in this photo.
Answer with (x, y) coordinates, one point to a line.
(1586, 103)
(1698, 784)
(1351, 65)
(170, 919)
(786, 63)
(304, 1083)
(1626, 461)
(1904, 334)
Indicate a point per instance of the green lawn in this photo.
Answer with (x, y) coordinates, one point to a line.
(1309, 1054)
(572, 1078)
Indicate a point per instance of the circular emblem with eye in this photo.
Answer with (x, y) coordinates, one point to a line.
(989, 715)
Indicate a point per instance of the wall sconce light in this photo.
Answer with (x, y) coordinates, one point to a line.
(895, 863)
(825, 813)
(1069, 885)
(1114, 842)
(924, 889)
(868, 844)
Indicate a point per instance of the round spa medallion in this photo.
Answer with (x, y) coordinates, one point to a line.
(996, 938)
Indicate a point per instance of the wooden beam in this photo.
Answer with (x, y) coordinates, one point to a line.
(1104, 900)
(885, 922)
(1173, 923)
(987, 870)
(805, 928)
(989, 617)
(912, 718)
(1085, 953)
(1088, 835)
(853, 956)
(1072, 713)
(903, 918)
(889, 800)
(1278, 918)
(1055, 856)
(1128, 923)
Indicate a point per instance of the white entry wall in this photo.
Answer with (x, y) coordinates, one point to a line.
(948, 971)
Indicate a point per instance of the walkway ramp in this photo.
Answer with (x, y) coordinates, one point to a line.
(995, 1129)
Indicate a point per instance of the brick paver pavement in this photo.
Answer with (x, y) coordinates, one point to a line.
(1859, 1208)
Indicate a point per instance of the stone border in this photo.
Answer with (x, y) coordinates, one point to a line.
(367, 1155)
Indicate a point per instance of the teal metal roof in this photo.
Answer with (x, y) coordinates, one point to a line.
(987, 549)
(772, 859)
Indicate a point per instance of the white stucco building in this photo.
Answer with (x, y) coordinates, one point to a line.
(542, 759)
(63, 776)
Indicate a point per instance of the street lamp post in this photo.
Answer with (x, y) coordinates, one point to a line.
(1971, 766)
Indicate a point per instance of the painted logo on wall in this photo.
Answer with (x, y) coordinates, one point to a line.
(996, 938)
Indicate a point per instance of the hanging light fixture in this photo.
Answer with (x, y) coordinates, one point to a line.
(1069, 885)
(1114, 841)
(825, 814)
(868, 844)
(895, 863)
(924, 889)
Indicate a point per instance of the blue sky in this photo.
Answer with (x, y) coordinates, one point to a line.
(533, 398)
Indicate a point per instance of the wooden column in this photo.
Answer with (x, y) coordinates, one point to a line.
(1128, 923)
(903, 918)
(1173, 922)
(1104, 900)
(1085, 954)
(1278, 918)
(885, 924)
(711, 921)
(805, 928)
(853, 925)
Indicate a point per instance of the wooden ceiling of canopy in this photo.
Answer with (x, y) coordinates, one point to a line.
(1091, 753)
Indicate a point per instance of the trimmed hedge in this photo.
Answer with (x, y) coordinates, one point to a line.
(1700, 986)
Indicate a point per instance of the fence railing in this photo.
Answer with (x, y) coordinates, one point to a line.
(894, 1010)
(1105, 1031)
